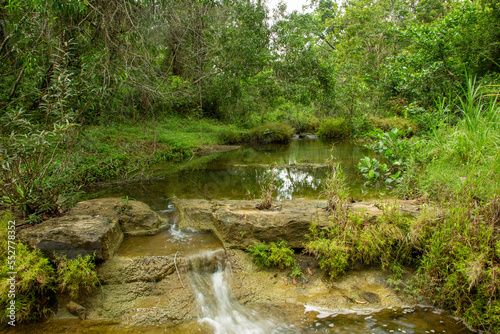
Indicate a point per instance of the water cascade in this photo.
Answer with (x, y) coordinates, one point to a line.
(209, 274)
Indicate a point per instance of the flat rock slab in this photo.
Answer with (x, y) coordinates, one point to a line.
(96, 226)
(239, 224)
(135, 218)
(365, 289)
(75, 235)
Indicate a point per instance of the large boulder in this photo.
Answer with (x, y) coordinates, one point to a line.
(135, 218)
(75, 235)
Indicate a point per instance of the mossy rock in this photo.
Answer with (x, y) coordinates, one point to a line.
(388, 123)
(271, 133)
(335, 128)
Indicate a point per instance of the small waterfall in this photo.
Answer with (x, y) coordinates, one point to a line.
(219, 308)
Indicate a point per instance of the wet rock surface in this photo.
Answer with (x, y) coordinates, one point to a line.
(152, 291)
(142, 291)
(239, 224)
(365, 289)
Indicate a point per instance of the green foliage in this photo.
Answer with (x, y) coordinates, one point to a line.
(33, 166)
(271, 133)
(459, 267)
(349, 239)
(372, 169)
(336, 128)
(274, 254)
(386, 124)
(461, 158)
(334, 187)
(74, 276)
(36, 280)
(393, 148)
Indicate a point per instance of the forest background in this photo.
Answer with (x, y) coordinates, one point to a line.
(97, 90)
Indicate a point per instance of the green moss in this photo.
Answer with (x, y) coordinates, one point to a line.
(335, 128)
(232, 137)
(271, 133)
(388, 123)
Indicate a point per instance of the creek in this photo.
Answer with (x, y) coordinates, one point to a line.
(235, 175)
(300, 167)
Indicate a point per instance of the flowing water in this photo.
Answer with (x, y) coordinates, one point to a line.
(235, 175)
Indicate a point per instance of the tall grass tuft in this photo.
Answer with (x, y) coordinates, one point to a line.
(461, 158)
(334, 186)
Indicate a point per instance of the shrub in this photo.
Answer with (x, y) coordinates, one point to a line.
(277, 254)
(75, 276)
(36, 279)
(271, 133)
(335, 128)
(388, 123)
(232, 137)
(267, 187)
(304, 123)
(349, 239)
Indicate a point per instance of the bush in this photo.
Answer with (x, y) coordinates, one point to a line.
(271, 133)
(274, 254)
(232, 137)
(349, 239)
(388, 123)
(335, 128)
(36, 280)
(303, 123)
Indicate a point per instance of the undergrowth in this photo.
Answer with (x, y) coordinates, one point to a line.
(37, 279)
(275, 254)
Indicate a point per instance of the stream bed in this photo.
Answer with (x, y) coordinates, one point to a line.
(236, 175)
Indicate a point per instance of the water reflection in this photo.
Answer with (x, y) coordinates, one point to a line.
(236, 174)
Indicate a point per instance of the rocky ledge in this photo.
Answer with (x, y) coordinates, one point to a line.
(239, 224)
(92, 227)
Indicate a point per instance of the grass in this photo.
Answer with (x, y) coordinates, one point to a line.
(335, 128)
(457, 159)
(125, 150)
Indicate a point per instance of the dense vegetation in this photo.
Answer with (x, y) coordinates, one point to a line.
(94, 90)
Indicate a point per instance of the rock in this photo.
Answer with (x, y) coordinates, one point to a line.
(120, 270)
(370, 297)
(239, 224)
(75, 235)
(135, 218)
(76, 309)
